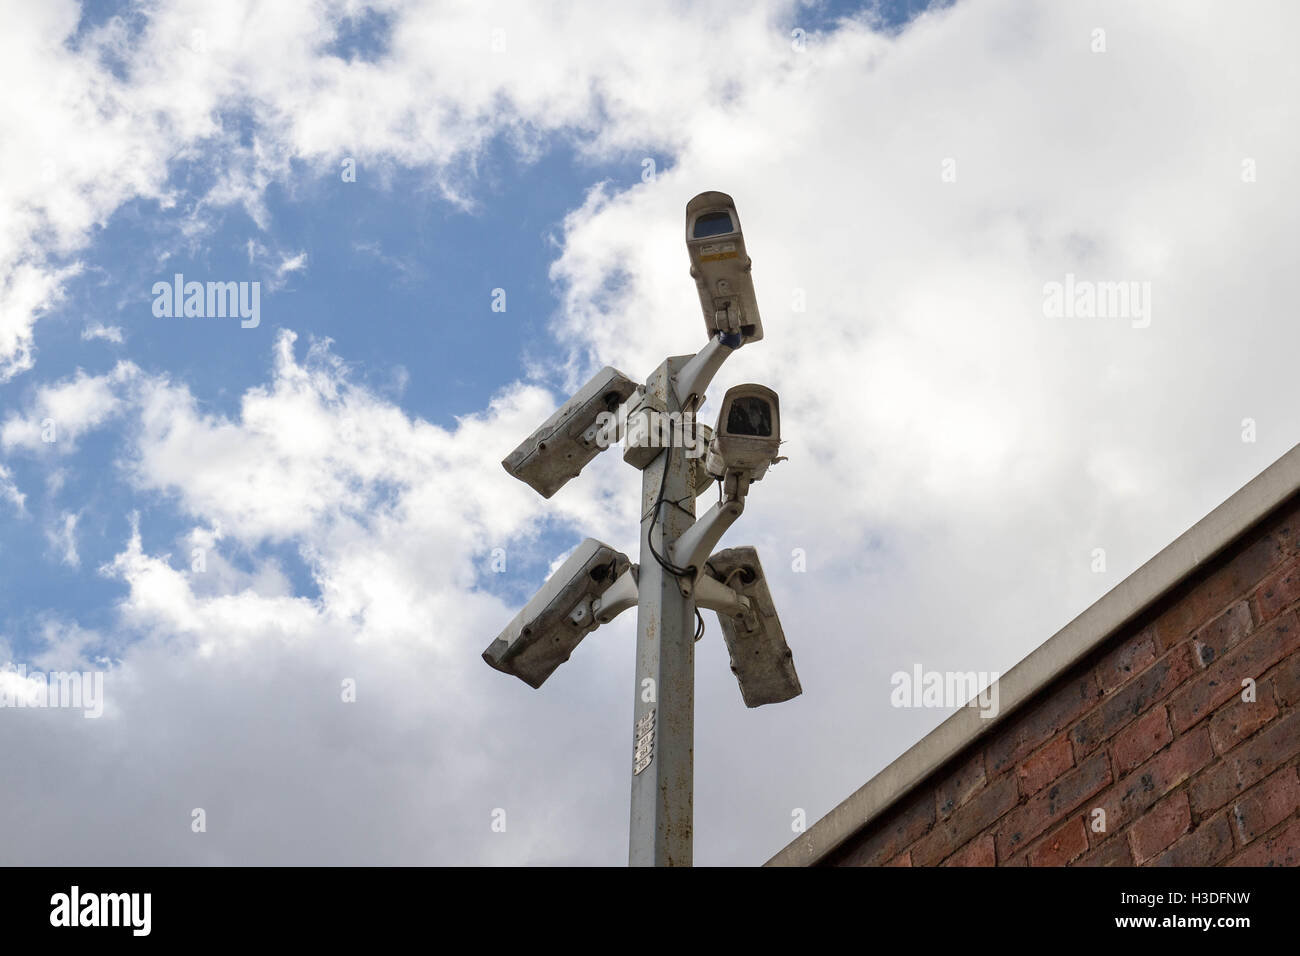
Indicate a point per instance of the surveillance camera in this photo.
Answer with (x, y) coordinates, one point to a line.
(721, 268)
(760, 658)
(560, 615)
(580, 429)
(748, 434)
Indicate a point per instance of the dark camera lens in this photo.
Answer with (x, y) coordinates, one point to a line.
(750, 415)
(713, 224)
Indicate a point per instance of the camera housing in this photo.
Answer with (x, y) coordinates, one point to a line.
(748, 434)
(760, 657)
(721, 267)
(543, 635)
(575, 434)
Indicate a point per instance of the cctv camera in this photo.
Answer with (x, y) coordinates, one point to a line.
(560, 615)
(580, 429)
(743, 445)
(748, 434)
(721, 268)
(760, 658)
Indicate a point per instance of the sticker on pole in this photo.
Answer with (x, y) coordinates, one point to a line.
(645, 742)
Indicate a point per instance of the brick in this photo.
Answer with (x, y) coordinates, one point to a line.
(1279, 592)
(1286, 682)
(1045, 765)
(1237, 720)
(1214, 788)
(1205, 846)
(1131, 797)
(981, 810)
(1130, 658)
(1062, 845)
(1042, 721)
(1117, 710)
(1115, 852)
(1221, 681)
(1161, 826)
(1265, 806)
(1281, 849)
(904, 826)
(1287, 530)
(1222, 634)
(1136, 743)
(978, 852)
(903, 859)
(1209, 597)
(1245, 765)
(1176, 624)
(960, 785)
(1049, 806)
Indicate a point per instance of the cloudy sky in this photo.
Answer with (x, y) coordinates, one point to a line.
(229, 522)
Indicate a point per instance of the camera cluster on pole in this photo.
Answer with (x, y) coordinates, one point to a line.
(678, 573)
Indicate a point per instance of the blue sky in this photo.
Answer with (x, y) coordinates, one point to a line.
(956, 454)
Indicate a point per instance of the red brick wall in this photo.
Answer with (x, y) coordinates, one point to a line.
(1151, 730)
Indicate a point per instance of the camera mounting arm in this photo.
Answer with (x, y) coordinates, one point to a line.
(697, 542)
(696, 374)
(712, 595)
(622, 594)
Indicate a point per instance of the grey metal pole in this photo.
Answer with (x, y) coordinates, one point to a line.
(664, 725)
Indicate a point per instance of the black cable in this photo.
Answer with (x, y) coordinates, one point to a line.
(675, 570)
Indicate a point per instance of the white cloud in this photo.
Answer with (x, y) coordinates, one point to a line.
(65, 645)
(109, 333)
(60, 414)
(292, 264)
(9, 490)
(63, 538)
(26, 292)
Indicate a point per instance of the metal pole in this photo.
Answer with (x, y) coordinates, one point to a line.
(664, 723)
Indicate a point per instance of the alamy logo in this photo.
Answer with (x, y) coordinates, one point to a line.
(1084, 299)
(102, 909)
(213, 300)
(82, 690)
(650, 428)
(945, 689)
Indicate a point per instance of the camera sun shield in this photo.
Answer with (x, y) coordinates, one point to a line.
(543, 635)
